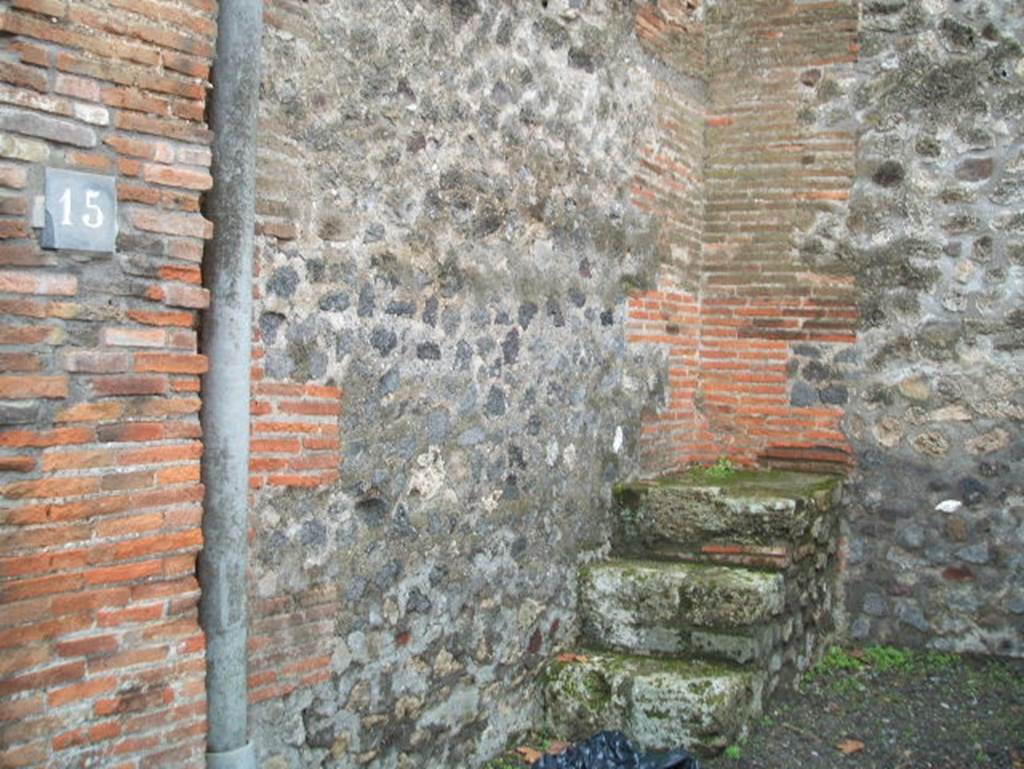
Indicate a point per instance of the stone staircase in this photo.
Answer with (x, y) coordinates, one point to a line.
(719, 589)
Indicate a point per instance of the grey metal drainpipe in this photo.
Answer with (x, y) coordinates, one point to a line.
(227, 332)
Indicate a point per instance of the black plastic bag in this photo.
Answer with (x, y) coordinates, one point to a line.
(611, 750)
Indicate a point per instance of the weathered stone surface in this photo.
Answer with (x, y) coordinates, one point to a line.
(660, 703)
(19, 148)
(936, 412)
(45, 127)
(658, 607)
(684, 513)
(775, 622)
(449, 170)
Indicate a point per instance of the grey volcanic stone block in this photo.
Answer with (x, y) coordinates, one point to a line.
(660, 703)
(746, 508)
(672, 608)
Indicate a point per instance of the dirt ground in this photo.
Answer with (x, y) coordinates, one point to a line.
(892, 709)
(882, 708)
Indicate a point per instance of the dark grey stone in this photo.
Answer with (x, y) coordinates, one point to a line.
(269, 323)
(390, 382)
(816, 372)
(417, 602)
(554, 311)
(888, 174)
(526, 312)
(428, 351)
(472, 437)
(336, 301)
(972, 491)
(401, 309)
(283, 282)
(911, 536)
(430, 308)
(802, 394)
(437, 426)
(910, 613)
(367, 301)
(463, 355)
(384, 340)
(54, 129)
(495, 406)
(977, 554)
(510, 347)
(20, 413)
(875, 605)
(834, 395)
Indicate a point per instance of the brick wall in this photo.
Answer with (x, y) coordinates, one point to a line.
(101, 656)
(742, 291)
(772, 167)
(669, 185)
(296, 440)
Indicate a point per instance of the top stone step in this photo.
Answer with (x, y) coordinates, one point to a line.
(755, 517)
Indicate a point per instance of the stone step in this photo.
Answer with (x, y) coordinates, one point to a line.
(659, 703)
(765, 519)
(651, 607)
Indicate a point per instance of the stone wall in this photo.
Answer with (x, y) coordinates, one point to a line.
(448, 236)
(935, 239)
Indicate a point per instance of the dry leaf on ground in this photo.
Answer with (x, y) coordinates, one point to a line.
(528, 754)
(850, 746)
(570, 657)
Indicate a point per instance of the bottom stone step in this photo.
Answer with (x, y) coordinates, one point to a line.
(659, 703)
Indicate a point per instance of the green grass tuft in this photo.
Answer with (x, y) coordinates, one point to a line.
(885, 658)
(721, 470)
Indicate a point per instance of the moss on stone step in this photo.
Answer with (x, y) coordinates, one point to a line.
(661, 703)
(756, 508)
(656, 607)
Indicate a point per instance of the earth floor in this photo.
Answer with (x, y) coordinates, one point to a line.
(884, 708)
(881, 708)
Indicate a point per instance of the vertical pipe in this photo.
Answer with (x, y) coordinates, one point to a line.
(227, 331)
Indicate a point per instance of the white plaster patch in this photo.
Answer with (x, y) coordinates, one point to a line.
(490, 502)
(569, 455)
(552, 453)
(429, 475)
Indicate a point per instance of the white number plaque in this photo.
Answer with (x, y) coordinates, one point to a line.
(81, 211)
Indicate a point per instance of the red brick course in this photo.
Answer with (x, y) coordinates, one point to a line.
(733, 179)
(101, 655)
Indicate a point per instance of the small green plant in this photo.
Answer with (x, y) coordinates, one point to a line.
(845, 668)
(934, 662)
(847, 685)
(836, 660)
(721, 470)
(733, 752)
(886, 658)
